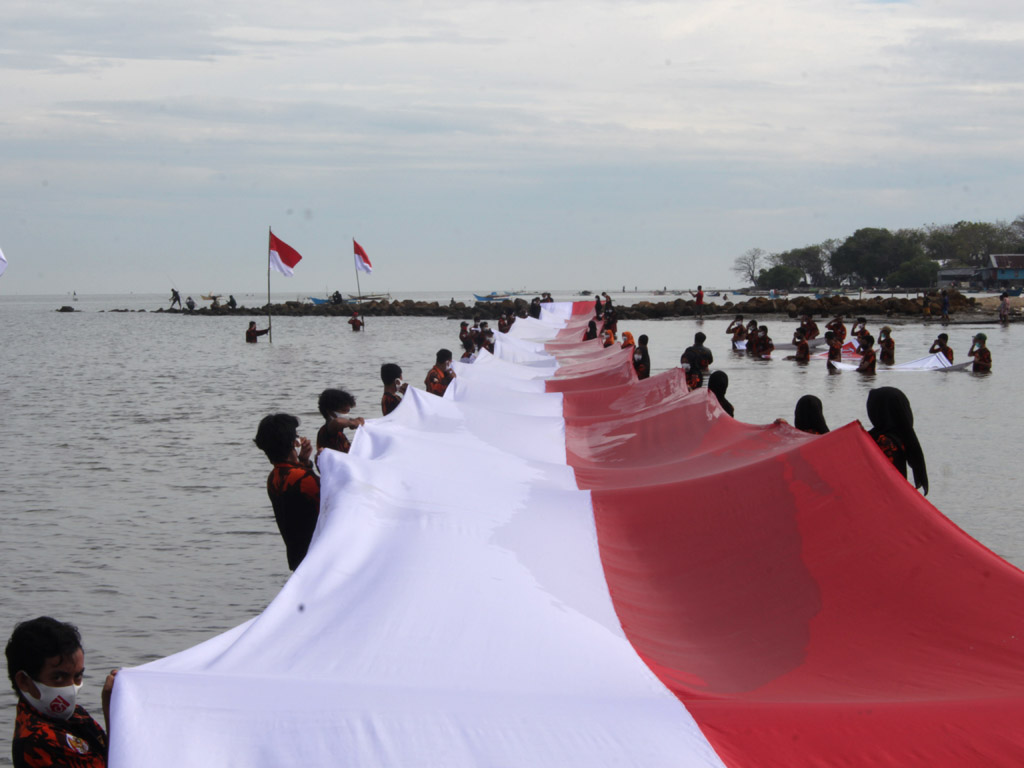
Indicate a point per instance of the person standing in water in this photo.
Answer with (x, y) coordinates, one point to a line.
(981, 354)
(252, 335)
(892, 429)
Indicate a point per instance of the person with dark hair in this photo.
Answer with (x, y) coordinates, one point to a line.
(468, 351)
(765, 345)
(591, 332)
(598, 307)
(867, 355)
(441, 375)
(941, 344)
(696, 360)
(535, 308)
(886, 346)
(46, 666)
(232, 304)
(293, 487)
(176, 298)
(252, 335)
(892, 429)
(334, 405)
(394, 387)
(718, 382)
(463, 332)
(738, 330)
(803, 349)
(642, 358)
(752, 338)
(859, 331)
(981, 354)
(835, 349)
(809, 327)
(356, 321)
(808, 416)
(838, 328)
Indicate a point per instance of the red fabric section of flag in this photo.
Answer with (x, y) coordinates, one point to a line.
(803, 601)
(358, 250)
(285, 252)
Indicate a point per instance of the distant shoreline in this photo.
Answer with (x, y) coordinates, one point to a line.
(919, 308)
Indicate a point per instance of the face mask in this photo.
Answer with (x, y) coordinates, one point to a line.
(54, 702)
(398, 383)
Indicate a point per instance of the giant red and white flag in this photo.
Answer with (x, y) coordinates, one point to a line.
(283, 257)
(600, 593)
(3, 263)
(362, 260)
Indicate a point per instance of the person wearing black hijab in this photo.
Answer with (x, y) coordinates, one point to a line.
(591, 332)
(892, 428)
(718, 382)
(808, 416)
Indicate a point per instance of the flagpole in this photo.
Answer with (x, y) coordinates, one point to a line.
(270, 334)
(359, 291)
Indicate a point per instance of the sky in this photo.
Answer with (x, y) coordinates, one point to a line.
(489, 145)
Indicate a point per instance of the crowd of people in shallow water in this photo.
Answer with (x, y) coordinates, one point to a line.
(45, 660)
(294, 488)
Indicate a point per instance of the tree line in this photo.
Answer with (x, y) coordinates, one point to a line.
(873, 257)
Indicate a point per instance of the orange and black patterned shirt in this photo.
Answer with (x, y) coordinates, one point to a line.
(41, 742)
(438, 379)
(389, 402)
(294, 492)
(982, 360)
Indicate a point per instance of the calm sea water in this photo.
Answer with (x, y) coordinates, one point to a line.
(133, 501)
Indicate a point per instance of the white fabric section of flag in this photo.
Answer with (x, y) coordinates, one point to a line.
(933, 362)
(3, 263)
(451, 611)
(279, 266)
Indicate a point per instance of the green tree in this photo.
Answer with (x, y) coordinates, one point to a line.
(780, 277)
(809, 260)
(871, 254)
(919, 272)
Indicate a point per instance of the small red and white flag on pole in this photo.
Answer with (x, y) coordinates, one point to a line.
(362, 260)
(282, 256)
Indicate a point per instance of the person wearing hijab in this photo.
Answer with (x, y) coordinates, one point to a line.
(718, 382)
(892, 428)
(591, 332)
(808, 416)
(627, 340)
(642, 358)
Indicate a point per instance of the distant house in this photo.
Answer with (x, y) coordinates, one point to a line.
(1005, 270)
(955, 276)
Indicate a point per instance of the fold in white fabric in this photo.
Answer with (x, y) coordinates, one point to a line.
(451, 611)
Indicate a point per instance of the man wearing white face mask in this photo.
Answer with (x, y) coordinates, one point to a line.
(46, 664)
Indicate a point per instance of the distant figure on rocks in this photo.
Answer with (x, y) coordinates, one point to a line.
(718, 382)
(699, 298)
(892, 429)
(176, 298)
(231, 302)
(293, 487)
(808, 416)
(356, 321)
(251, 334)
(190, 303)
(394, 387)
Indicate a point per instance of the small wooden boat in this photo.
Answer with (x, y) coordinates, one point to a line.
(493, 296)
